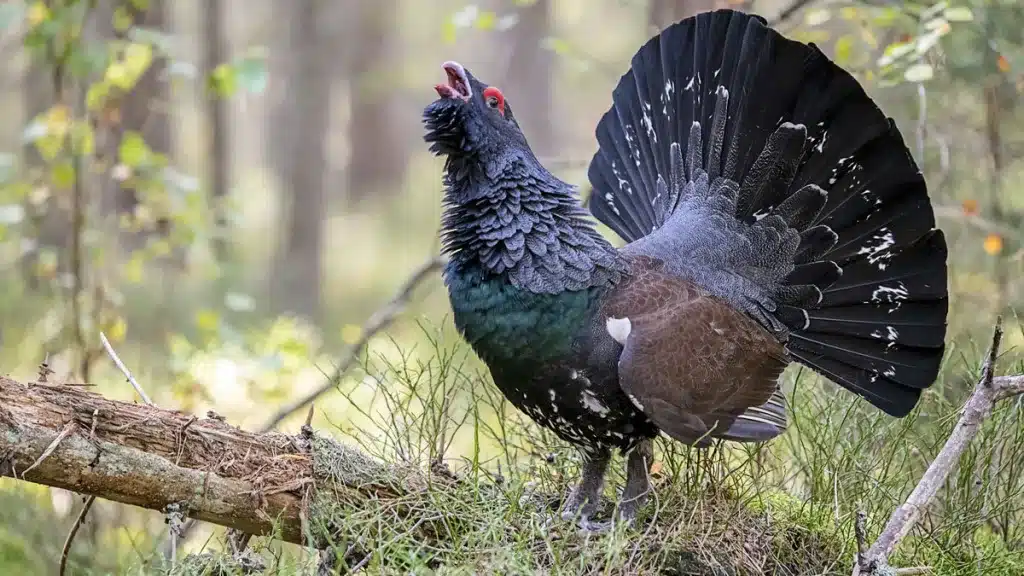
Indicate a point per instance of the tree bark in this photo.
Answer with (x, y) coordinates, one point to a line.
(67, 437)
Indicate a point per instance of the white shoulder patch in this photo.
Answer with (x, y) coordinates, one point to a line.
(619, 329)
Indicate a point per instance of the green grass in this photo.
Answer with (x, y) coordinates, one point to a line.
(784, 508)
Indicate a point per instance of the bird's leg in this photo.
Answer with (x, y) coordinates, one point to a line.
(586, 496)
(638, 484)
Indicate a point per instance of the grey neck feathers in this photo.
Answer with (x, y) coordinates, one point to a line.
(513, 218)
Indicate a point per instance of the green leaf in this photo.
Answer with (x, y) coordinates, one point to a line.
(251, 73)
(919, 72)
(96, 96)
(122, 19)
(959, 14)
(557, 45)
(83, 140)
(449, 31)
(133, 151)
(222, 82)
(63, 175)
(486, 20)
(844, 49)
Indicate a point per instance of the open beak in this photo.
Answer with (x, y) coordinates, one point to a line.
(458, 82)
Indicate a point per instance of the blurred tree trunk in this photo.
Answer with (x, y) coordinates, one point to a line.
(530, 75)
(298, 133)
(662, 13)
(218, 162)
(145, 109)
(379, 148)
(49, 217)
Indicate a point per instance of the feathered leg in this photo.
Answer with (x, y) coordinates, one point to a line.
(586, 496)
(638, 484)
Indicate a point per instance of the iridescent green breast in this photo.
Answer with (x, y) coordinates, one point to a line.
(506, 324)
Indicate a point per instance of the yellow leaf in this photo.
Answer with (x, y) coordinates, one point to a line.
(970, 207)
(137, 58)
(117, 74)
(96, 96)
(486, 20)
(993, 244)
(207, 320)
(63, 175)
(37, 13)
(1003, 64)
(122, 20)
(350, 333)
(134, 269)
(117, 330)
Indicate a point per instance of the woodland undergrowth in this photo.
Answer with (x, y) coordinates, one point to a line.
(784, 508)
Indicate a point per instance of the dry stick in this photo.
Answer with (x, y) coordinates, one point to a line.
(92, 499)
(379, 320)
(989, 390)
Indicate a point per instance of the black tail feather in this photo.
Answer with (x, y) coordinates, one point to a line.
(837, 241)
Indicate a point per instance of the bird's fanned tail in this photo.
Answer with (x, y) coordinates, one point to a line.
(759, 169)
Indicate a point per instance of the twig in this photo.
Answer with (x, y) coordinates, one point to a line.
(64, 433)
(380, 320)
(124, 369)
(74, 531)
(978, 408)
(92, 499)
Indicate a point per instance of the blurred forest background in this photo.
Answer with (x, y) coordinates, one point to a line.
(233, 190)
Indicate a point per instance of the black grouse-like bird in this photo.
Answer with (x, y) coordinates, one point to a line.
(772, 214)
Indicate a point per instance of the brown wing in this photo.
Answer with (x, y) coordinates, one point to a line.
(693, 362)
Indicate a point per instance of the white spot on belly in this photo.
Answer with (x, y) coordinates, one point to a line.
(619, 329)
(590, 402)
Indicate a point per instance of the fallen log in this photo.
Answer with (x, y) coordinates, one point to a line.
(68, 437)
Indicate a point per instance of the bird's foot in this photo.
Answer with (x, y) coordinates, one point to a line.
(585, 498)
(589, 526)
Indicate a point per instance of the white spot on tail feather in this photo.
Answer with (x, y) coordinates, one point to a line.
(877, 248)
(894, 295)
(821, 143)
(619, 329)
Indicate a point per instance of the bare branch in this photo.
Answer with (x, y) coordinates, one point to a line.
(74, 532)
(987, 393)
(124, 369)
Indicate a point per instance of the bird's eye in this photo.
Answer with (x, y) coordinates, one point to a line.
(494, 99)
